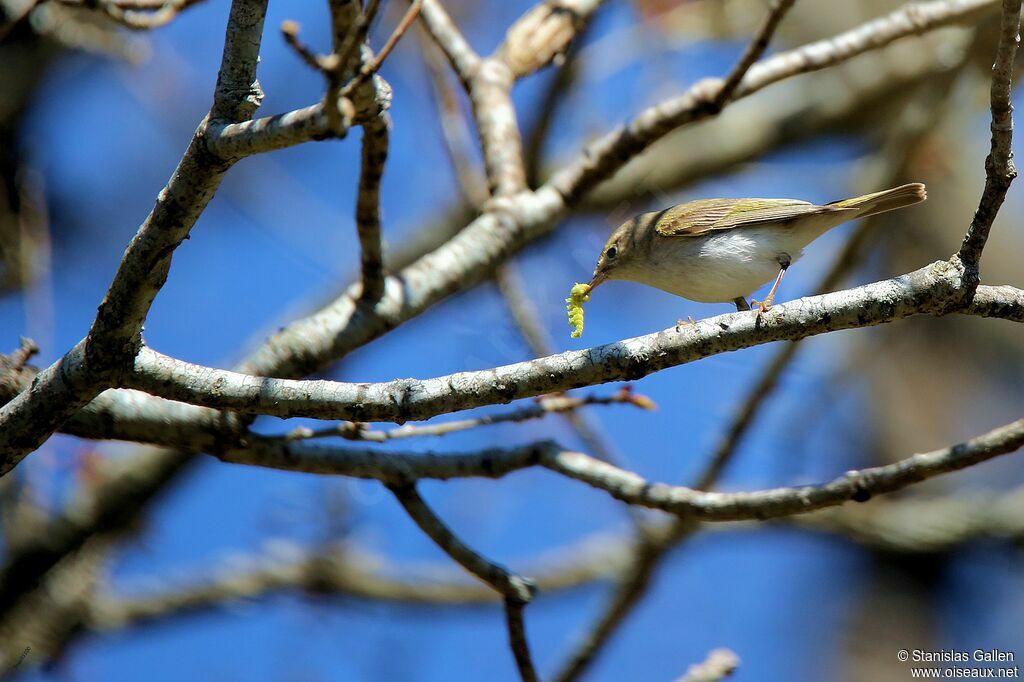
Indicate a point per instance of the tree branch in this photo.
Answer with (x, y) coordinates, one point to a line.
(858, 485)
(754, 50)
(464, 60)
(470, 257)
(932, 290)
(903, 526)
(999, 168)
(545, 405)
(516, 590)
(115, 335)
(601, 159)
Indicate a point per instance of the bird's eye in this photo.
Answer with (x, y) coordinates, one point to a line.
(611, 252)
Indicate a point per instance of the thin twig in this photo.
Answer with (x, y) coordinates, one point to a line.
(514, 620)
(368, 223)
(554, 404)
(27, 348)
(346, 50)
(517, 591)
(290, 32)
(506, 583)
(754, 50)
(999, 168)
(373, 65)
(370, 100)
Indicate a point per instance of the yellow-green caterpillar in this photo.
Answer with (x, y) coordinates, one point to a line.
(579, 295)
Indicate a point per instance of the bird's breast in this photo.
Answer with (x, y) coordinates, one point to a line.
(719, 266)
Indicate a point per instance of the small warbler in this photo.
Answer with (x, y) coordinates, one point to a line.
(723, 250)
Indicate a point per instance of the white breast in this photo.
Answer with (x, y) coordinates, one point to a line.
(721, 266)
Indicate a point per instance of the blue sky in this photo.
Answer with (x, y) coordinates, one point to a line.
(280, 236)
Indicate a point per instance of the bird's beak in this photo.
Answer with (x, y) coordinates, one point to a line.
(597, 279)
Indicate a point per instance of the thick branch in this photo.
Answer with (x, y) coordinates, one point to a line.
(115, 334)
(232, 141)
(929, 290)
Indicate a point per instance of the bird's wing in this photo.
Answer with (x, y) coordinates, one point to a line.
(695, 218)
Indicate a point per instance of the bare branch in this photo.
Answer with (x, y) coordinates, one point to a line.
(930, 290)
(516, 625)
(370, 96)
(232, 141)
(350, 31)
(290, 32)
(858, 485)
(605, 156)
(525, 315)
(373, 66)
(374, 155)
(999, 168)
(899, 526)
(754, 50)
(508, 584)
(517, 591)
(464, 60)
(537, 38)
(554, 404)
(115, 334)
(346, 571)
(470, 257)
(688, 503)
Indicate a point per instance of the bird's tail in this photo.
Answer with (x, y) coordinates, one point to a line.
(886, 200)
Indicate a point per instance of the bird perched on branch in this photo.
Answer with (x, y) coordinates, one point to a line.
(723, 250)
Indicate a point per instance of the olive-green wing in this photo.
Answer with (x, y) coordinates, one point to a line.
(695, 218)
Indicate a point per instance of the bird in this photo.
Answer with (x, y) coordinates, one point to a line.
(723, 250)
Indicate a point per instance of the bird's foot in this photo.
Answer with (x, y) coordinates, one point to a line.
(685, 323)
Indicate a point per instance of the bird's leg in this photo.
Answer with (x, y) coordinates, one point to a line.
(685, 323)
(741, 304)
(765, 305)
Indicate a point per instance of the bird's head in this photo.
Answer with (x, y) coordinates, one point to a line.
(619, 253)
